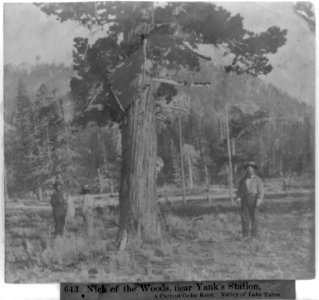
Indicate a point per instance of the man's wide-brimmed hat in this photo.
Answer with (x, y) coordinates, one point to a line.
(85, 189)
(251, 164)
(57, 183)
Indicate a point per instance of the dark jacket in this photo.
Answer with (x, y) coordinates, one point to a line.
(58, 203)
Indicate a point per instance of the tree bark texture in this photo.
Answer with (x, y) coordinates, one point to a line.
(6, 195)
(138, 199)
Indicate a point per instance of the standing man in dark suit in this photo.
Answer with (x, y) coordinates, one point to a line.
(250, 195)
(59, 208)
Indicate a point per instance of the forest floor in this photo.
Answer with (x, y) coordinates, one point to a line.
(200, 242)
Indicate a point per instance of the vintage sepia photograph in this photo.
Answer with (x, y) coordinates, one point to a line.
(159, 141)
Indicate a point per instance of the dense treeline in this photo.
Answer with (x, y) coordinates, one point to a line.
(266, 125)
(55, 77)
(42, 142)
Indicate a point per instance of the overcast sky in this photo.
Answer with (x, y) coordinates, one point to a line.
(28, 33)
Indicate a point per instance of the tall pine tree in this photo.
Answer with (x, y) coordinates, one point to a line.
(25, 142)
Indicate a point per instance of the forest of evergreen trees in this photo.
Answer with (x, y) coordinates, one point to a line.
(42, 142)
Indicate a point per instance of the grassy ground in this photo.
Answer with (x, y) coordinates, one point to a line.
(199, 243)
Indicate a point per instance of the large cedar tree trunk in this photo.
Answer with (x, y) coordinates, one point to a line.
(138, 199)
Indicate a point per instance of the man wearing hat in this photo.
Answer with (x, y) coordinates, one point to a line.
(59, 208)
(87, 211)
(250, 195)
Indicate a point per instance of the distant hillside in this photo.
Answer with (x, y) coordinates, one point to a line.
(283, 144)
(248, 92)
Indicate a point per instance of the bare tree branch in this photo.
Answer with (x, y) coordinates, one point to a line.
(182, 83)
(196, 53)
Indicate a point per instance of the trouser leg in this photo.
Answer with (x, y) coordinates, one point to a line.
(245, 219)
(254, 221)
(88, 224)
(62, 224)
(85, 226)
(91, 225)
(56, 224)
(59, 224)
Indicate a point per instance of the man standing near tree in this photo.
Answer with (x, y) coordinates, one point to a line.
(59, 208)
(250, 195)
(87, 211)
